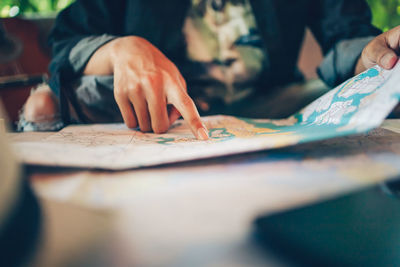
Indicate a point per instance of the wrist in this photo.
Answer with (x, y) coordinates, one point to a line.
(120, 49)
(111, 54)
(100, 63)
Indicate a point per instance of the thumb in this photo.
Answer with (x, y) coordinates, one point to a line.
(388, 59)
(379, 52)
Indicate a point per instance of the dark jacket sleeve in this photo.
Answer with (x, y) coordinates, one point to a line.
(342, 28)
(82, 19)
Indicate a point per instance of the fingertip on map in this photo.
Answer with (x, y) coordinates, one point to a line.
(202, 134)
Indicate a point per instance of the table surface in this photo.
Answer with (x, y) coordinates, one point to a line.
(199, 213)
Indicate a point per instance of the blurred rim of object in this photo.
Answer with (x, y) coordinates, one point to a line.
(10, 181)
(19, 209)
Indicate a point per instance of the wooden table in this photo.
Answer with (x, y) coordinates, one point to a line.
(199, 213)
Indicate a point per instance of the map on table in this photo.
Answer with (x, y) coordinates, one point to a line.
(358, 105)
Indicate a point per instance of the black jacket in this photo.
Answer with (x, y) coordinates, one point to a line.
(281, 24)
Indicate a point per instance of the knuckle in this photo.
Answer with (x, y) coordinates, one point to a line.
(150, 77)
(119, 94)
(152, 82)
(134, 89)
(168, 75)
(136, 92)
(131, 85)
(146, 80)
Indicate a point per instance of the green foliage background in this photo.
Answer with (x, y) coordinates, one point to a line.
(32, 7)
(386, 13)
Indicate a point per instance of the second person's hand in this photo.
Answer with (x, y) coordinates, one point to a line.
(382, 50)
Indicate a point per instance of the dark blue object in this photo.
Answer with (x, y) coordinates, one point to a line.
(359, 229)
(20, 232)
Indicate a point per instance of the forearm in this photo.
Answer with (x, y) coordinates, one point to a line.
(91, 49)
(102, 61)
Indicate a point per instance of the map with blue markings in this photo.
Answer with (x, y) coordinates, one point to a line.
(356, 106)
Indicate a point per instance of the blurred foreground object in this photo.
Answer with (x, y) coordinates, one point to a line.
(52, 234)
(2, 125)
(358, 229)
(19, 210)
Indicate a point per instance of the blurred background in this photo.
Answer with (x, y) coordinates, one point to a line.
(24, 52)
(386, 13)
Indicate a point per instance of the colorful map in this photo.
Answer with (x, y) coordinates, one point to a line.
(358, 105)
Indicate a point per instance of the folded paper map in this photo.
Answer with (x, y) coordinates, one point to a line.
(358, 105)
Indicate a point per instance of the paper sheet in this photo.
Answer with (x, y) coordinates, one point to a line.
(358, 105)
(207, 207)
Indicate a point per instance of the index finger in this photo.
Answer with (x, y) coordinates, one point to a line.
(185, 105)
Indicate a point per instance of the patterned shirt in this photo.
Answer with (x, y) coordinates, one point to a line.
(223, 63)
(224, 46)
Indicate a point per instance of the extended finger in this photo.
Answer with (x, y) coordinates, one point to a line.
(185, 105)
(177, 96)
